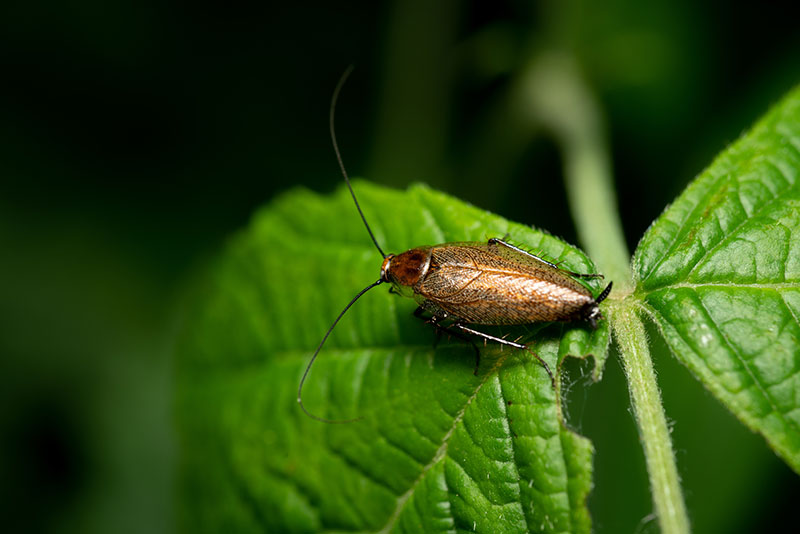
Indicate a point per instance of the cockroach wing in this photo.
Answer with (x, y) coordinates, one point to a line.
(483, 283)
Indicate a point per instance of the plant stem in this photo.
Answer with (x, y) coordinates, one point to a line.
(558, 98)
(653, 430)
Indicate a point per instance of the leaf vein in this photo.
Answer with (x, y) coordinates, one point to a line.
(778, 286)
(361, 471)
(733, 232)
(789, 309)
(430, 217)
(652, 312)
(794, 140)
(441, 451)
(683, 224)
(504, 406)
(745, 363)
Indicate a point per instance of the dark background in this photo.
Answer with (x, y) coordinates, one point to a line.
(136, 136)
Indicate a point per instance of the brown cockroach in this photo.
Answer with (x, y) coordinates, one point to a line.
(473, 283)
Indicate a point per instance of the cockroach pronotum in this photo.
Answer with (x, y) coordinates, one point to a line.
(473, 283)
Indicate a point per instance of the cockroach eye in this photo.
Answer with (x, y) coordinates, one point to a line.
(387, 262)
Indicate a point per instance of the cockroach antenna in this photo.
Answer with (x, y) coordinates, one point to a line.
(334, 98)
(602, 296)
(316, 353)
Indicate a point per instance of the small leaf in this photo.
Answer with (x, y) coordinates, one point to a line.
(719, 272)
(438, 450)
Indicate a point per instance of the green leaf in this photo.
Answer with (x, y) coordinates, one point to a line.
(719, 273)
(439, 449)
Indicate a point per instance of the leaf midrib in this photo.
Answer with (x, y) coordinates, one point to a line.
(658, 318)
(795, 284)
(440, 453)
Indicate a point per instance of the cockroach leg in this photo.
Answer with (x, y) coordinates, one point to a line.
(488, 337)
(496, 241)
(435, 321)
(583, 275)
(418, 314)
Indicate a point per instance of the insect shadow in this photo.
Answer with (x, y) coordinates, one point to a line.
(460, 285)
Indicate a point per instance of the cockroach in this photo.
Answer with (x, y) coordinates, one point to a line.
(473, 283)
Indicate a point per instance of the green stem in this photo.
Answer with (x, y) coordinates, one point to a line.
(559, 99)
(653, 429)
(561, 102)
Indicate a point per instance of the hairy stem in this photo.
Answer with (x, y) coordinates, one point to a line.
(653, 429)
(559, 99)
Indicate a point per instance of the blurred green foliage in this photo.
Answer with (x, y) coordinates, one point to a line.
(134, 137)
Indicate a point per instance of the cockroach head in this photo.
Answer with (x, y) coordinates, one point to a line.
(406, 269)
